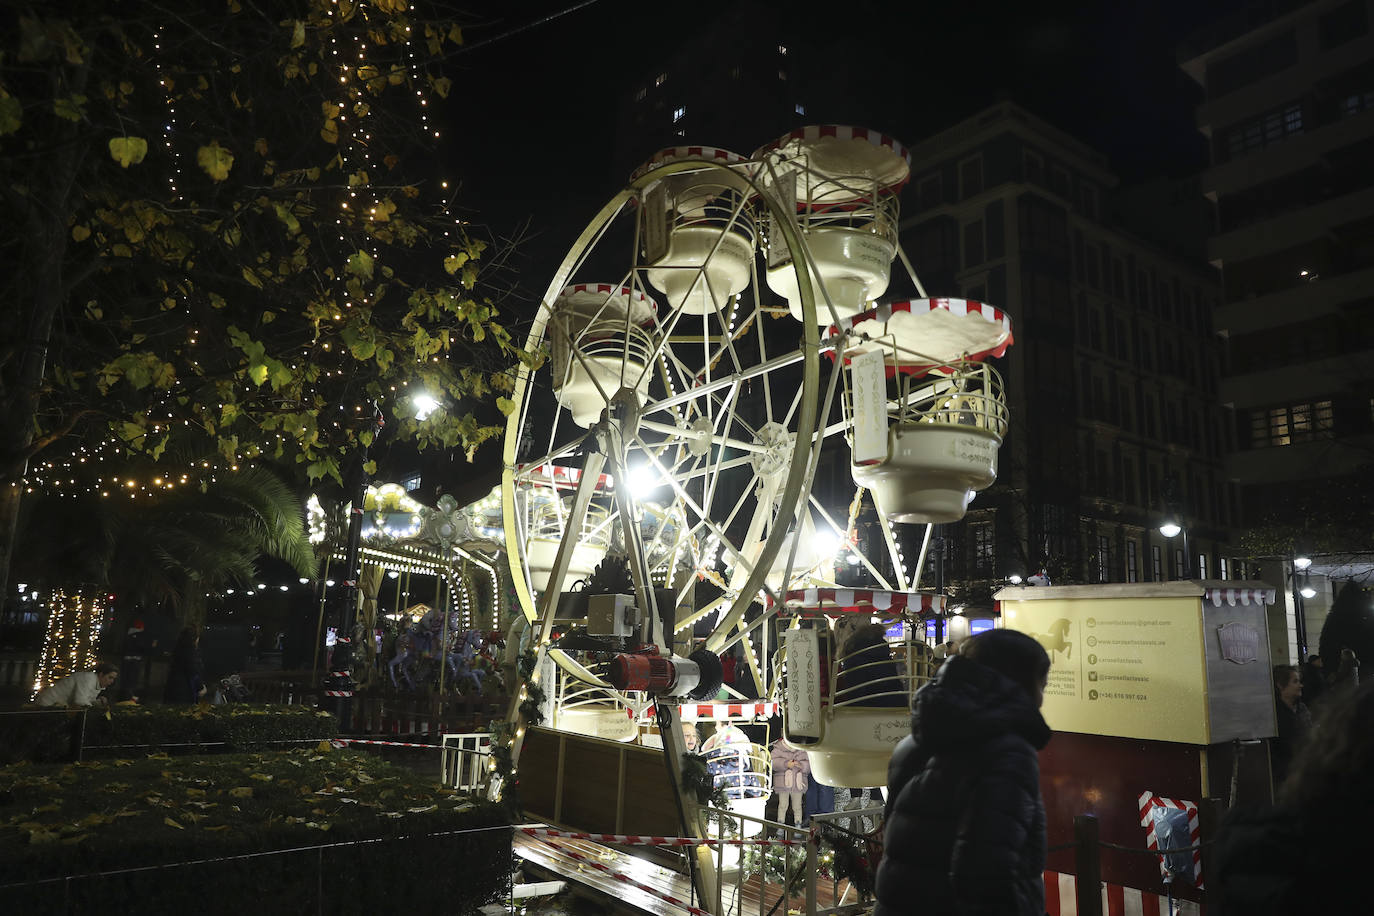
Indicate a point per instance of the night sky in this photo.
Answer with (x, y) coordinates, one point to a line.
(536, 116)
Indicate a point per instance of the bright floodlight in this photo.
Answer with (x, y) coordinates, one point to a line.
(425, 404)
(640, 481)
(1014, 579)
(282, 587)
(1307, 591)
(1170, 529)
(392, 574)
(824, 545)
(304, 580)
(1301, 564)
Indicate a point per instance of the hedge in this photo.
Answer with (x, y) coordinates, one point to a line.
(126, 729)
(191, 829)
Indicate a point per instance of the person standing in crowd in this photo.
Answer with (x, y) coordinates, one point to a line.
(1293, 719)
(1305, 855)
(965, 829)
(186, 676)
(138, 649)
(79, 689)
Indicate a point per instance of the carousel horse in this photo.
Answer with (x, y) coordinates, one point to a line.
(462, 662)
(411, 645)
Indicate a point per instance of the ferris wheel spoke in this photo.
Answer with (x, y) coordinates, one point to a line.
(711, 526)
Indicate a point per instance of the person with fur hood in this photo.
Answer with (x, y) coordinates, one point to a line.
(965, 822)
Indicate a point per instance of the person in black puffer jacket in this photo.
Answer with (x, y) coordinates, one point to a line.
(965, 830)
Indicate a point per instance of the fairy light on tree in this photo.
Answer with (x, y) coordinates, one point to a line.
(71, 640)
(244, 180)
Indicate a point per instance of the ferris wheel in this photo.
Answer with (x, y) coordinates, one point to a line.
(713, 330)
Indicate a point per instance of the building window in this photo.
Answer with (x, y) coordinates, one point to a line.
(1059, 181)
(639, 96)
(971, 177)
(973, 244)
(1269, 128)
(411, 483)
(734, 72)
(1290, 423)
(1202, 565)
(1104, 558)
(928, 192)
(801, 109)
(782, 49)
(983, 548)
(1356, 103)
(1178, 563)
(679, 114)
(1344, 23)
(660, 79)
(1089, 195)
(1225, 567)
(782, 75)
(1156, 570)
(1131, 573)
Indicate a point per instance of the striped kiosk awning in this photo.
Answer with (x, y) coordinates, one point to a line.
(1241, 596)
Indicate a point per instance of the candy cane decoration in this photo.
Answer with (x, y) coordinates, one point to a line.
(1149, 800)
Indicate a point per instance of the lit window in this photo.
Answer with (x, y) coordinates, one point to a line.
(679, 114)
(639, 96)
(1225, 567)
(782, 74)
(660, 79)
(801, 109)
(782, 49)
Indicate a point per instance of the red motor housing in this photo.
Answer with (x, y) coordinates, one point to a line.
(652, 673)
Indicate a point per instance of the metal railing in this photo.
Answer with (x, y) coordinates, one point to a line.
(464, 761)
(801, 862)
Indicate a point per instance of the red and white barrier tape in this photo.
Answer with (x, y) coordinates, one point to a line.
(336, 693)
(340, 742)
(626, 879)
(635, 840)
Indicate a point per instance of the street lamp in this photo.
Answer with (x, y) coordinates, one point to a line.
(1302, 589)
(1172, 529)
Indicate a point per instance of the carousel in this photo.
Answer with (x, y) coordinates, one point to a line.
(432, 602)
(715, 331)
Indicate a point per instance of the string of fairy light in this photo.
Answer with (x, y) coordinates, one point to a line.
(71, 473)
(72, 637)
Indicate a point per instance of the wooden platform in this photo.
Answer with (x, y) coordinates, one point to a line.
(551, 855)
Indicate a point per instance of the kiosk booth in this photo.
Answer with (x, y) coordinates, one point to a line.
(1160, 697)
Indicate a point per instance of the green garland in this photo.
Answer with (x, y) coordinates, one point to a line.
(854, 857)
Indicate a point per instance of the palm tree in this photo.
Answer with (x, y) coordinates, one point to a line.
(170, 549)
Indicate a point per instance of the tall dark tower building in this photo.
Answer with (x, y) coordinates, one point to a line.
(1289, 114)
(1112, 382)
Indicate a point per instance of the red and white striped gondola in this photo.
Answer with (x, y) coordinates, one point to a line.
(942, 406)
(699, 228)
(842, 183)
(854, 657)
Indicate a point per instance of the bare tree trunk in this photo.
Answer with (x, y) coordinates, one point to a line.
(46, 211)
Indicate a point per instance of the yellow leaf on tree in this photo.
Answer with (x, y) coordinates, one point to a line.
(81, 232)
(215, 160)
(171, 823)
(330, 132)
(241, 792)
(297, 33)
(128, 151)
